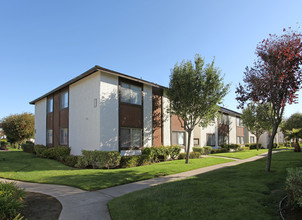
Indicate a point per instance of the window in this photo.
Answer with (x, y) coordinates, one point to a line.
(49, 137)
(239, 122)
(210, 139)
(63, 136)
(131, 138)
(240, 140)
(196, 141)
(252, 140)
(64, 100)
(131, 94)
(224, 119)
(178, 138)
(49, 105)
(223, 139)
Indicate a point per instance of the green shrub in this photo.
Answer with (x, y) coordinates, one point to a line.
(57, 153)
(28, 148)
(71, 160)
(39, 149)
(194, 155)
(99, 159)
(129, 161)
(219, 150)
(230, 146)
(148, 152)
(173, 151)
(60, 152)
(198, 149)
(293, 185)
(162, 153)
(254, 146)
(207, 150)
(82, 162)
(144, 160)
(11, 200)
(182, 156)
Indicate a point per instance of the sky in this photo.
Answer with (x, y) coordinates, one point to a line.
(43, 44)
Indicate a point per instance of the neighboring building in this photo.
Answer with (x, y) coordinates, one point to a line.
(106, 110)
(226, 129)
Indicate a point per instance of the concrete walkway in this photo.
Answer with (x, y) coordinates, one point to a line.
(79, 204)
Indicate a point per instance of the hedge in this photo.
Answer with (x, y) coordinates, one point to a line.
(254, 146)
(11, 200)
(28, 148)
(294, 187)
(99, 159)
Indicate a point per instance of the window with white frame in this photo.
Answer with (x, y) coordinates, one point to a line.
(49, 136)
(252, 140)
(178, 138)
(131, 94)
(64, 100)
(131, 138)
(210, 139)
(63, 136)
(240, 140)
(223, 139)
(224, 119)
(196, 141)
(49, 105)
(239, 122)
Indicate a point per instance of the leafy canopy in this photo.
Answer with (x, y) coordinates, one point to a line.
(195, 92)
(274, 79)
(255, 119)
(19, 127)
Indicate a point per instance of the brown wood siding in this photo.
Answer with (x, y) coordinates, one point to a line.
(131, 115)
(64, 115)
(56, 119)
(240, 131)
(175, 124)
(157, 120)
(223, 129)
(49, 120)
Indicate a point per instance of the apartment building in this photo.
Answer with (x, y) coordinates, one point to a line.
(102, 109)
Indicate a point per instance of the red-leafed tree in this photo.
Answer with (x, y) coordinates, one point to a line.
(274, 79)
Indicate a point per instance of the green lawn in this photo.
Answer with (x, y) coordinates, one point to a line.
(244, 191)
(242, 154)
(27, 167)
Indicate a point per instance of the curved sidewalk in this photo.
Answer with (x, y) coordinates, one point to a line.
(79, 204)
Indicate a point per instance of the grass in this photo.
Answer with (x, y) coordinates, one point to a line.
(27, 167)
(244, 191)
(242, 154)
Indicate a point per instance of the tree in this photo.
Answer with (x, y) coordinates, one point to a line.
(274, 79)
(255, 119)
(292, 129)
(19, 127)
(194, 93)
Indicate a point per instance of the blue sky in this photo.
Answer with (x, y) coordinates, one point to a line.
(46, 43)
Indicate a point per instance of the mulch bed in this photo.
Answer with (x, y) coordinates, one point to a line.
(290, 214)
(41, 206)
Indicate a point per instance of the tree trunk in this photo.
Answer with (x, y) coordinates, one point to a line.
(270, 149)
(188, 149)
(297, 146)
(257, 142)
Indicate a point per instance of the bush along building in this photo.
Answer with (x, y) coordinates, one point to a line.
(106, 110)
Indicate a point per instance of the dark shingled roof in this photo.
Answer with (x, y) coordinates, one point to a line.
(91, 71)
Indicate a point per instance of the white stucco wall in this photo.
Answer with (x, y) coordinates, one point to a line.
(197, 134)
(210, 129)
(40, 121)
(147, 97)
(109, 115)
(84, 115)
(166, 121)
(232, 130)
